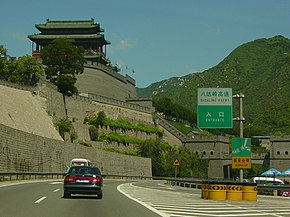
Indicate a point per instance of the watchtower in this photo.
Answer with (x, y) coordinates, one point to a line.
(85, 33)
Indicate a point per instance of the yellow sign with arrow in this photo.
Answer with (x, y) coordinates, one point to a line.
(176, 163)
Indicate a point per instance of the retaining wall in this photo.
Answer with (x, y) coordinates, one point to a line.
(21, 151)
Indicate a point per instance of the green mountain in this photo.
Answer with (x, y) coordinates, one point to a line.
(259, 69)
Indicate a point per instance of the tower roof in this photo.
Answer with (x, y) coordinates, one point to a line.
(78, 31)
(69, 24)
(83, 36)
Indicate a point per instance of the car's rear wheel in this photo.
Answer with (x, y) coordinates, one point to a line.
(100, 196)
(66, 195)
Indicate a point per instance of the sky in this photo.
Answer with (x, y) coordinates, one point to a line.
(154, 40)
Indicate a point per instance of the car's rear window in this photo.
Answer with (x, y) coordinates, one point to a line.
(79, 170)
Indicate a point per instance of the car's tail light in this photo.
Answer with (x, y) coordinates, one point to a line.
(69, 178)
(95, 179)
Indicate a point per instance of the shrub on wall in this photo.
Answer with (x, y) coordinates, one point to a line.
(65, 126)
(122, 124)
(93, 133)
(120, 139)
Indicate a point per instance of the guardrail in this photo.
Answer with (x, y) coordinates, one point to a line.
(12, 176)
(189, 183)
(276, 190)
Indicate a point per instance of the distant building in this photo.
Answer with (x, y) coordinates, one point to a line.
(85, 33)
(99, 78)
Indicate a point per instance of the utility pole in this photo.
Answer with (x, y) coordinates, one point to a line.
(241, 118)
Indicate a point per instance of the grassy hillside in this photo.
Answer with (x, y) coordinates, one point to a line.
(259, 69)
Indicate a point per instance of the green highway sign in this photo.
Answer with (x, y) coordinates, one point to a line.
(241, 147)
(214, 108)
(241, 153)
(215, 117)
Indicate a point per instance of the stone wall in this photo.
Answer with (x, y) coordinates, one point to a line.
(25, 110)
(35, 158)
(80, 107)
(101, 80)
(215, 149)
(21, 151)
(280, 152)
(212, 147)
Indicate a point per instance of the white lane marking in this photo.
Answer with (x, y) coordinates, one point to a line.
(40, 199)
(142, 203)
(20, 182)
(56, 190)
(165, 186)
(55, 183)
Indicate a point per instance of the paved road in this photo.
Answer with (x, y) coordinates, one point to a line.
(128, 199)
(45, 200)
(177, 201)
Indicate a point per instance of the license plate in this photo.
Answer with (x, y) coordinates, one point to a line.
(83, 181)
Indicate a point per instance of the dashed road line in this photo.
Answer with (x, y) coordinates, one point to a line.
(55, 183)
(40, 200)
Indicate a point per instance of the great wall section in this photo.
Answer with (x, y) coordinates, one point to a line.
(29, 141)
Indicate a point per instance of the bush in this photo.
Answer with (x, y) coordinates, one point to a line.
(93, 133)
(65, 126)
(119, 123)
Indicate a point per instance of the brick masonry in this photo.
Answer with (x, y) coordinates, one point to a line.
(24, 150)
(101, 80)
(21, 151)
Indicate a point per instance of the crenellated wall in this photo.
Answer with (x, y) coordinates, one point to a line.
(21, 151)
(26, 151)
(280, 152)
(217, 150)
(101, 80)
(79, 107)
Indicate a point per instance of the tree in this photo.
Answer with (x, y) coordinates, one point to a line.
(26, 70)
(174, 110)
(4, 72)
(65, 84)
(30, 69)
(101, 119)
(65, 126)
(3, 51)
(63, 62)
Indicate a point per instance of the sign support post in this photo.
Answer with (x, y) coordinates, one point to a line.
(176, 164)
(240, 119)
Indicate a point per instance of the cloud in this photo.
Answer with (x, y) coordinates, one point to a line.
(122, 45)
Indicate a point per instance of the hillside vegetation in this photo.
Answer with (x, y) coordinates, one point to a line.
(259, 69)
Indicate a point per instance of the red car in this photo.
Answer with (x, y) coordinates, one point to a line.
(83, 180)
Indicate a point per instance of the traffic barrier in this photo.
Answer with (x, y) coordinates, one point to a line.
(234, 191)
(217, 190)
(228, 190)
(250, 191)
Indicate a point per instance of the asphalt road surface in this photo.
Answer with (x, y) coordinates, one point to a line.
(44, 199)
(176, 201)
(128, 199)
